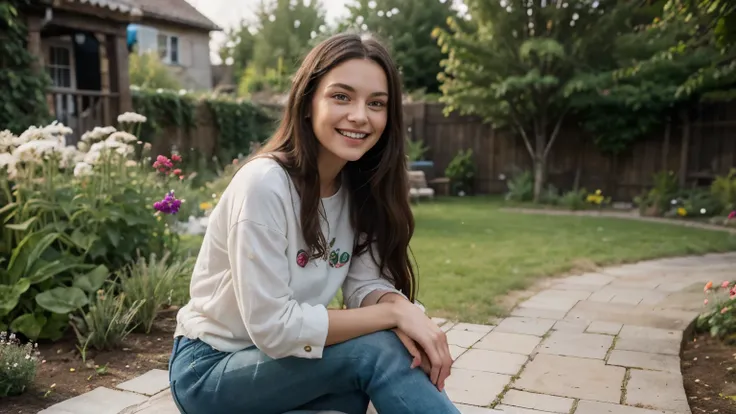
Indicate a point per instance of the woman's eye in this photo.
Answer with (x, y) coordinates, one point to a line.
(340, 96)
(378, 104)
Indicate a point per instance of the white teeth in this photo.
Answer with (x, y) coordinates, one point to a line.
(352, 134)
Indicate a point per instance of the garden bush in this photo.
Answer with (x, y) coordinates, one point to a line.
(72, 216)
(18, 365)
(461, 172)
(520, 187)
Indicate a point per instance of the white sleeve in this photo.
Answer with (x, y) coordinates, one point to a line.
(276, 323)
(363, 278)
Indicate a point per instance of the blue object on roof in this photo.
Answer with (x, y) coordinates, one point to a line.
(132, 35)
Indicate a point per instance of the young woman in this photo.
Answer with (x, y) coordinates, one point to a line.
(323, 205)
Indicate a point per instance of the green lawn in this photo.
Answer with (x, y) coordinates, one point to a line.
(469, 252)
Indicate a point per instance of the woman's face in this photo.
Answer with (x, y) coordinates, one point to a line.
(350, 109)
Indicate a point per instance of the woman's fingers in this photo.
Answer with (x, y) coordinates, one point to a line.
(410, 346)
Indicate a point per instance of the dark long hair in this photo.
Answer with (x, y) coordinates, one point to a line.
(377, 182)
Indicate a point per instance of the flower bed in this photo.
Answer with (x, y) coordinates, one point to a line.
(88, 252)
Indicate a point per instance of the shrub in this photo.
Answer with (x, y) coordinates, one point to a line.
(151, 282)
(658, 200)
(723, 189)
(17, 365)
(574, 200)
(461, 172)
(720, 318)
(520, 187)
(73, 216)
(108, 321)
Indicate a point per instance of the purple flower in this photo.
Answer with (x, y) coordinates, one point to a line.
(169, 205)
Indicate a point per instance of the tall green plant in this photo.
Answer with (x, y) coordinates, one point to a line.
(22, 101)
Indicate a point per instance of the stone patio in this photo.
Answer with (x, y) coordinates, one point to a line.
(596, 343)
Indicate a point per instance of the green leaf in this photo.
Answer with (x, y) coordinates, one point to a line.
(114, 236)
(23, 253)
(93, 280)
(55, 327)
(62, 299)
(42, 270)
(10, 295)
(22, 226)
(7, 208)
(29, 325)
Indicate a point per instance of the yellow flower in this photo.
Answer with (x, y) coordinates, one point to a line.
(681, 212)
(597, 192)
(205, 206)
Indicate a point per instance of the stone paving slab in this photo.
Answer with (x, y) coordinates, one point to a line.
(604, 342)
(643, 360)
(150, 383)
(581, 345)
(572, 377)
(541, 402)
(101, 400)
(509, 342)
(660, 390)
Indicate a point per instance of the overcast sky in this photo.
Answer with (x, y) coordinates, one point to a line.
(228, 13)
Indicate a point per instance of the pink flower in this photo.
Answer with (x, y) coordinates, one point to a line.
(705, 302)
(708, 286)
(175, 158)
(724, 310)
(732, 215)
(724, 285)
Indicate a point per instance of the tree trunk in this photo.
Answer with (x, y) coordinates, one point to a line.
(539, 176)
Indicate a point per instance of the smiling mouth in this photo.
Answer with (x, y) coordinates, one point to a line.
(353, 135)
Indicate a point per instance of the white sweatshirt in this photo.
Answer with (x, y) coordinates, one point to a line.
(252, 283)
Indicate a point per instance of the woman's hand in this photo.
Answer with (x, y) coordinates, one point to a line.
(430, 338)
(419, 357)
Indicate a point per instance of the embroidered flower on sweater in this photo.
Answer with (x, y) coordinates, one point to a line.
(335, 259)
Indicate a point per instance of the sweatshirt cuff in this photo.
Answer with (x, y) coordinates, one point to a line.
(313, 334)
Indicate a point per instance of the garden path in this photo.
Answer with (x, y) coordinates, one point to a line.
(604, 342)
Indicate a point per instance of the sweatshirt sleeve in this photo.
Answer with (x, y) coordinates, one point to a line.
(276, 323)
(363, 278)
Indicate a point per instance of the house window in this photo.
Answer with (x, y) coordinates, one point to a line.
(60, 66)
(168, 48)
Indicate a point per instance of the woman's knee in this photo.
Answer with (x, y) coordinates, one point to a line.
(385, 344)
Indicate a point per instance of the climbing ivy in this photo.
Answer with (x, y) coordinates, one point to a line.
(238, 122)
(22, 101)
(163, 108)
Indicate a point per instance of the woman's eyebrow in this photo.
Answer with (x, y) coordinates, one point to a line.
(351, 89)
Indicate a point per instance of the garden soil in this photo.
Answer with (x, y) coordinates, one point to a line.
(65, 375)
(709, 375)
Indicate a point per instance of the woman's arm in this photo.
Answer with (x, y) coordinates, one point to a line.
(346, 324)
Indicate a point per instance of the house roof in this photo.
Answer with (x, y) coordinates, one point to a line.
(175, 11)
(120, 6)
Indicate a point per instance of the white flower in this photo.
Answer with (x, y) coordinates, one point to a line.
(123, 136)
(82, 169)
(83, 146)
(6, 141)
(8, 162)
(57, 128)
(37, 150)
(68, 155)
(91, 157)
(131, 117)
(131, 163)
(98, 133)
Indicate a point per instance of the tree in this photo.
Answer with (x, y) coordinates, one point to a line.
(283, 32)
(514, 61)
(238, 48)
(23, 101)
(407, 26)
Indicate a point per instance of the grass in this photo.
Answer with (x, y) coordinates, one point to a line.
(470, 253)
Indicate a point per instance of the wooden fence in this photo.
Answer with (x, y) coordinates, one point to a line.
(697, 150)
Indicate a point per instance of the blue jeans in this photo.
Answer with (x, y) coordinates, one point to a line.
(374, 367)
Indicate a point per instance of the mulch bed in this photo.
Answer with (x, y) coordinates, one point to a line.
(709, 374)
(64, 375)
